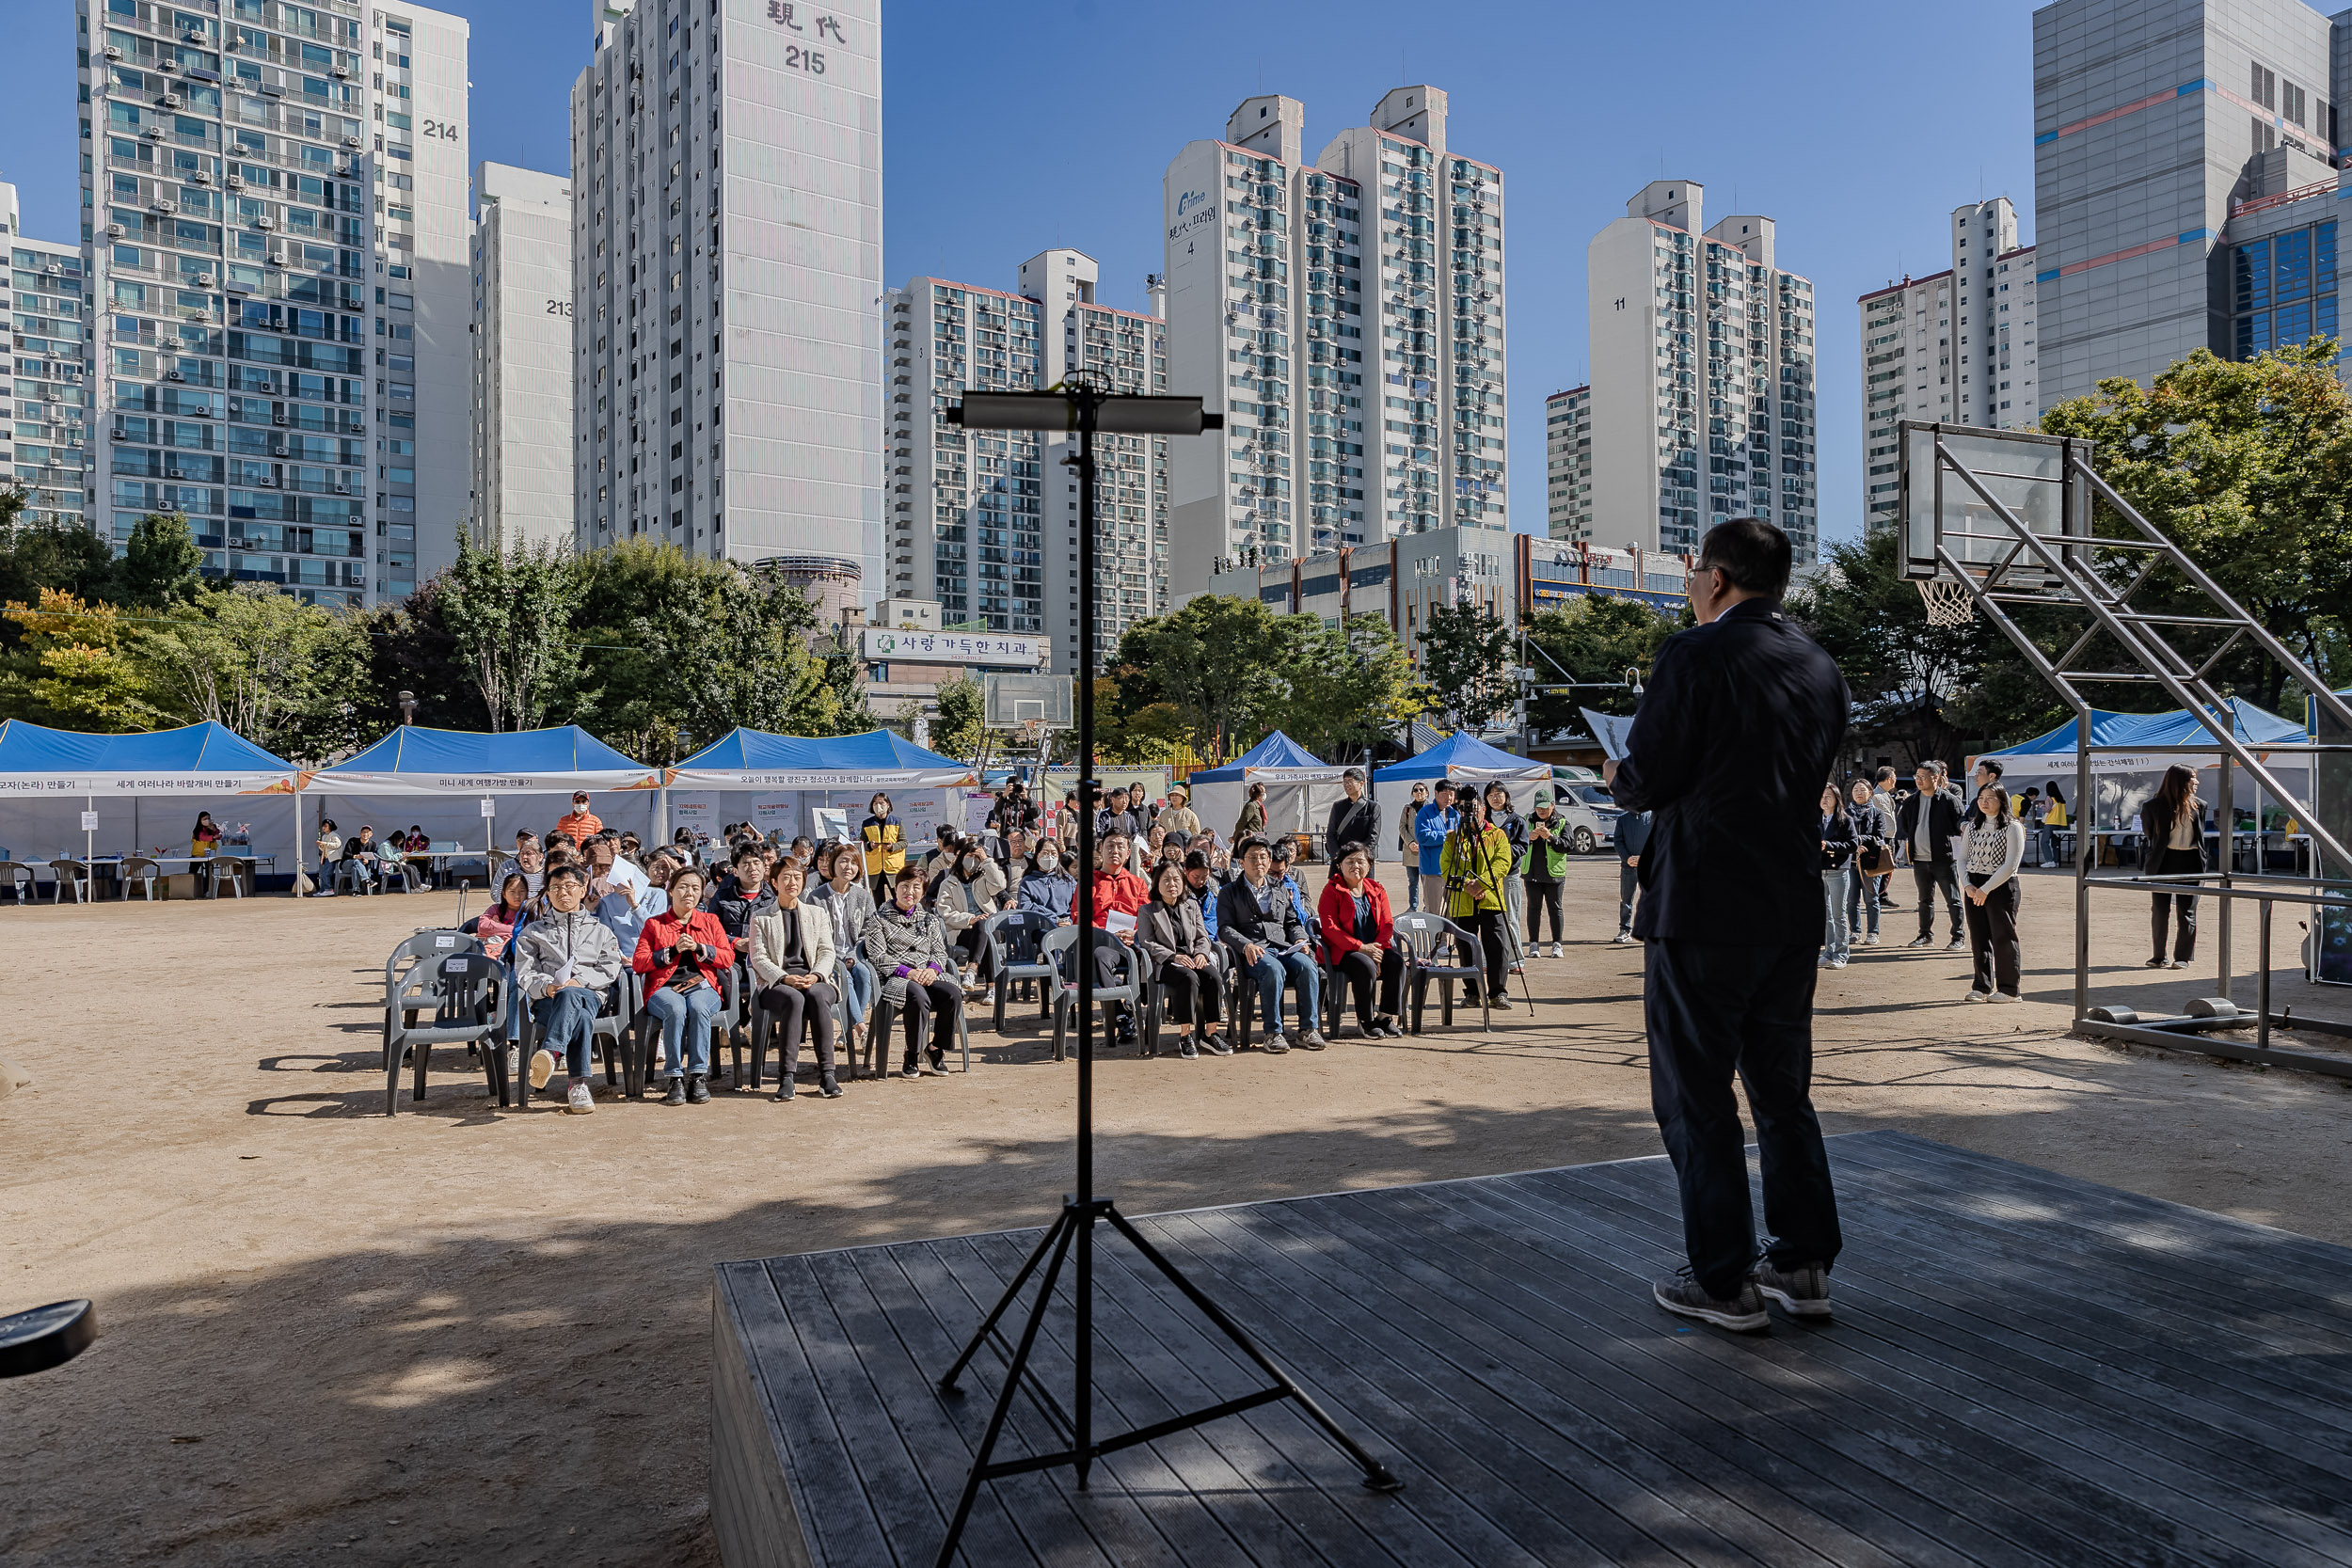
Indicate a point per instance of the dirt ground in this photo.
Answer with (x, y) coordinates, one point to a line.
(456, 1337)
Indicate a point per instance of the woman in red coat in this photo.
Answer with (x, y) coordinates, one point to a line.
(684, 955)
(1356, 927)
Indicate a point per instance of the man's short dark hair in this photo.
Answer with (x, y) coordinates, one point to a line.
(1252, 842)
(1886, 775)
(1195, 861)
(1990, 765)
(1446, 783)
(1753, 555)
(1355, 773)
(744, 852)
(565, 871)
(1930, 765)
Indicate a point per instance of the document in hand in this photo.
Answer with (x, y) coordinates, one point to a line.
(562, 975)
(1610, 729)
(1119, 920)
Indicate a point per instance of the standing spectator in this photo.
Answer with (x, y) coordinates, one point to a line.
(1179, 818)
(1741, 723)
(1174, 942)
(1115, 817)
(1409, 844)
(1924, 829)
(1634, 831)
(2053, 818)
(850, 907)
(2028, 809)
(1514, 828)
(1121, 892)
(1431, 824)
(1547, 863)
(580, 821)
(563, 959)
(885, 839)
(203, 843)
(1996, 846)
(1474, 860)
(907, 947)
(1251, 822)
(2172, 836)
(792, 963)
(1874, 842)
(1837, 848)
(684, 955)
(1988, 772)
(1354, 818)
(1260, 926)
(1357, 932)
(1882, 797)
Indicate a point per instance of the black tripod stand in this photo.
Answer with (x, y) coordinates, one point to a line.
(1089, 409)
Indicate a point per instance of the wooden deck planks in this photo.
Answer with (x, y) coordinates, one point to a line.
(2025, 1368)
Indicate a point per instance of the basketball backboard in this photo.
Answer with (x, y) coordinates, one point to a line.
(1009, 702)
(2028, 474)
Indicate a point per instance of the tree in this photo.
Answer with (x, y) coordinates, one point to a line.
(956, 732)
(509, 615)
(1466, 661)
(2248, 467)
(275, 671)
(34, 555)
(1350, 686)
(1594, 638)
(161, 564)
(77, 668)
(408, 647)
(1218, 661)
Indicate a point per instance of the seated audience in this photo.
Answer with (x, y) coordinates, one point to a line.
(684, 955)
(563, 961)
(907, 947)
(792, 965)
(1260, 928)
(1356, 927)
(1176, 943)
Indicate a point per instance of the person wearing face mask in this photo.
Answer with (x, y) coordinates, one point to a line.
(907, 947)
(1049, 888)
(885, 841)
(966, 893)
(849, 904)
(563, 959)
(684, 955)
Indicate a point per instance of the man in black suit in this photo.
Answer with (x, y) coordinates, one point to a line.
(1925, 825)
(1353, 820)
(1736, 736)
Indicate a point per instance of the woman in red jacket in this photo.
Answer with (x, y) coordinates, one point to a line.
(1356, 927)
(1116, 891)
(684, 955)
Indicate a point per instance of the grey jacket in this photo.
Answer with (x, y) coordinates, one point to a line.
(1166, 933)
(853, 911)
(893, 939)
(549, 941)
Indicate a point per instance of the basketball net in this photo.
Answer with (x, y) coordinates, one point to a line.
(1948, 603)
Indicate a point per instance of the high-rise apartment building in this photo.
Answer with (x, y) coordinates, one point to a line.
(44, 398)
(726, 266)
(522, 380)
(1347, 318)
(2154, 124)
(986, 522)
(1568, 463)
(1956, 347)
(1703, 378)
(276, 228)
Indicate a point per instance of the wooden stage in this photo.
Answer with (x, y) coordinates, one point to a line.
(2025, 1368)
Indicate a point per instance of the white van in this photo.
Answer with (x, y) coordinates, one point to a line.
(1588, 815)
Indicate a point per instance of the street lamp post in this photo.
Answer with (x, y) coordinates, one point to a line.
(1087, 408)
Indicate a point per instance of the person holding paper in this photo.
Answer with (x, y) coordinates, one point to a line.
(563, 961)
(1260, 926)
(1742, 722)
(1118, 896)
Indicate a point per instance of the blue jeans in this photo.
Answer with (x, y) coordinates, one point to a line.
(1837, 937)
(1412, 885)
(1270, 972)
(685, 1014)
(1862, 895)
(860, 997)
(567, 1023)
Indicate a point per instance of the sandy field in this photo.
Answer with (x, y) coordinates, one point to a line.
(457, 1337)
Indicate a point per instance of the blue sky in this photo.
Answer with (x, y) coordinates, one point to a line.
(1008, 129)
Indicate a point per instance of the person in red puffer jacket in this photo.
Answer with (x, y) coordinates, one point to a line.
(1116, 891)
(684, 955)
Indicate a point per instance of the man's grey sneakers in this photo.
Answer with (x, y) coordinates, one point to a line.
(1185, 1048)
(1686, 1297)
(697, 1089)
(1801, 1289)
(1623, 939)
(577, 1100)
(677, 1093)
(1275, 1045)
(1311, 1041)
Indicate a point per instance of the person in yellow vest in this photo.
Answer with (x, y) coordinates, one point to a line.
(885, 845)
(2053, 818)
(1475, 861)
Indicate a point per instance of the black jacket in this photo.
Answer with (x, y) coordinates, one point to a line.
(1943, 823)
(1739, 727)
(1355, 821)
(1838, 833)
(2155, 826)
(737, 912)
(1239, 920)
(1514, 828)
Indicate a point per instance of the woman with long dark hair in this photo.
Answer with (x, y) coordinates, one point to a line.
(2172, 836)
(1996, 846)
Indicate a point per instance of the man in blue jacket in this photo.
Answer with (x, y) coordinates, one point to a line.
(1430, 826)
(1739, 727)
(1632, 833)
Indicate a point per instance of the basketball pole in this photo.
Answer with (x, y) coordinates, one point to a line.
(1087, 409)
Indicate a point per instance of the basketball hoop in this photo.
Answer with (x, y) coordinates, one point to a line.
(1949, 603)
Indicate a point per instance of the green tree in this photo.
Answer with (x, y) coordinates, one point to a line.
(956, 732)
(408, 647)
(161, 564)
(1466, 661)
(1218, 661)
(1349, 687)
(34, 555)
(509, 615)
(1594, 638)
(78, 667)
(275, 671)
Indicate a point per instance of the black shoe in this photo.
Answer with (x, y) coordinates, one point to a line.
(698, 1090)
(1955, 944)
(826, 1086)
(1686, 1297)
(2156, 963)
(1925, 939)
(785, 1088)
(1801, 1289)
(677, 1093)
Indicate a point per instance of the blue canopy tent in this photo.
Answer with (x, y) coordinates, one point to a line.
(779, 782)
(469, 774)
(1299, 786)
(50, 778)
(1468, 761)
(2126, 768)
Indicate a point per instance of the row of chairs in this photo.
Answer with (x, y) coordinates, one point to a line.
(24, 878)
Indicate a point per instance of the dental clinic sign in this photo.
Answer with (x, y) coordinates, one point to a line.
(958, 647)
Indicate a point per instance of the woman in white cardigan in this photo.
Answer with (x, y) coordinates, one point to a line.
(1996, 846)
(792, 963)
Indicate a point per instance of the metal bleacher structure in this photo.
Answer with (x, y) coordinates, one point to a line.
(1998, 522)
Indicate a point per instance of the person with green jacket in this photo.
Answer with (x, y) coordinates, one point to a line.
(1547, 867)
(1474, 860)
